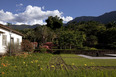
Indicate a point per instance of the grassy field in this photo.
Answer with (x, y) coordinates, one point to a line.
(24, 64)
(38, 65)
(80, 61)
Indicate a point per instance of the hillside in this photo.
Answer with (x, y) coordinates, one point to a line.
(105, 18)
(21, 27)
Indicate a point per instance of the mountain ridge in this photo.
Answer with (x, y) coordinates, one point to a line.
(104, 18)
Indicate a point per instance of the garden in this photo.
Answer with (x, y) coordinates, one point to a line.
(51, 51)
(50, 65)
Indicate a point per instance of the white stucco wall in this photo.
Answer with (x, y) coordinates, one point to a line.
(15, 36)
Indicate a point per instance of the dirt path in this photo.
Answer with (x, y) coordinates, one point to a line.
(57, 62)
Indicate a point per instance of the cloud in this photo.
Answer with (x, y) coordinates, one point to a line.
(19, 5)
(31, 15)
(4, 23)
(43, 7)
(67, 18)
(6, 16)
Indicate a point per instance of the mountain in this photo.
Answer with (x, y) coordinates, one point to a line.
(105, 18)
(21, 27)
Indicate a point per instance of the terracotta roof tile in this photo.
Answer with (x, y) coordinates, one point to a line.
(9, 29)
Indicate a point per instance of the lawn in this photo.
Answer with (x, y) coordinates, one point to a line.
(11, 65)
(81, 61)
(38, 65)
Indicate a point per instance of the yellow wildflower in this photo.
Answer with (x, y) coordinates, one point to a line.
(73, 64)
(85, 64)
(31, 61)
(36, 61)
(62, 65)
(52, 66)
(15, 66)
(23, 62)
(41, 68)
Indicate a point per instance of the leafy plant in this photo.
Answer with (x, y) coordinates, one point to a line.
(27, 46)
(13, 48)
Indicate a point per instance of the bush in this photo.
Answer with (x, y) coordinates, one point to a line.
(26, 46)
(43, 50)
(14, 48)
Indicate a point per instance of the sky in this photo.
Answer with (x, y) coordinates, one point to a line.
(37, 11)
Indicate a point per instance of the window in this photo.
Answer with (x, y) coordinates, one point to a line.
(18, 41)
(4, 40)
(12, 40)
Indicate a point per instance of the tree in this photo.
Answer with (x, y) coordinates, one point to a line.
(70, 39)
(44, 34)
(54, 22)
(111, 24)
(108, 38)
(92, 30)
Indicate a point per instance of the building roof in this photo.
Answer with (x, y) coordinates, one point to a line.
(1, 32)
(9, 29)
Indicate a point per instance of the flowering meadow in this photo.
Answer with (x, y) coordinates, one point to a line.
(49, 65)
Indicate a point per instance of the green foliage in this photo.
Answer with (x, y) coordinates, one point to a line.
(111, 24)
(44, 34)
(69, 39)
(36, 65)
(43, 50)
(54, 22)
(74, 35)
(13, 48)
(108, 38)
(26, 46)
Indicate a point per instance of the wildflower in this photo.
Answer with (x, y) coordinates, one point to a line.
(52, 66)
(85, 64)
(15, 66)
(23, 62)
(73, 64)
(3, 73)
(38, 65)
(41, 68)
(31, 61)
(62, 65)
(3, 64)
(36, 61)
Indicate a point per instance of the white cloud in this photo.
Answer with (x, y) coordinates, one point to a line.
(6, 16)
(43, 7)
(19, 5)
(4, 23)
(67, 18)
(31, 15)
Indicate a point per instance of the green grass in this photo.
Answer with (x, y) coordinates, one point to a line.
(80, 61)
(24, 64)
(35, 65)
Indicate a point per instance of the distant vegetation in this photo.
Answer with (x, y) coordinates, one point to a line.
(105, 18)
(75, 35)
(80, 33)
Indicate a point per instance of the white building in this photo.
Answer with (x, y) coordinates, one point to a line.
(5, 34)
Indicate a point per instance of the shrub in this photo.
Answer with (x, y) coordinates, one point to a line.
(43, 50)
(26, 46)
(13, 48)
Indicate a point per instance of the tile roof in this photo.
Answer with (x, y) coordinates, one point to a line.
(9, 29)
